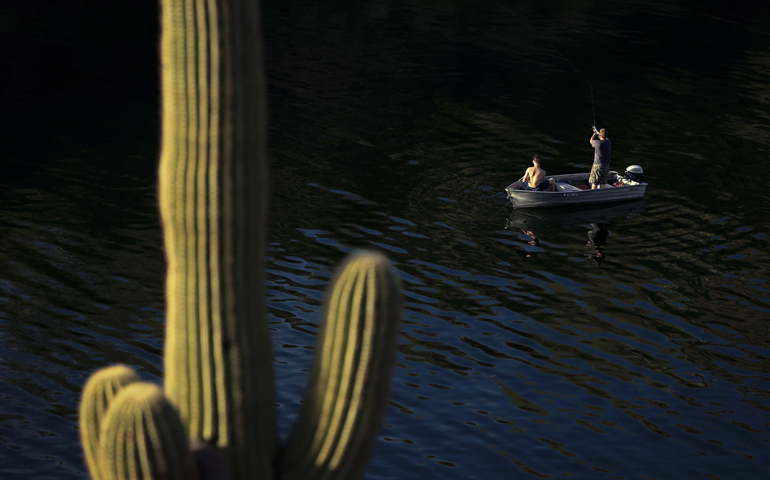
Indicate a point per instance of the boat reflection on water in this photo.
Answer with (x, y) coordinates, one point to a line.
(597, 237)
(529, 218)
(537, 223)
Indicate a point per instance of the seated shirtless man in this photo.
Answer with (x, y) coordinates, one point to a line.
(534, 177)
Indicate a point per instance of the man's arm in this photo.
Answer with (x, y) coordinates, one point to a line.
(593, 137)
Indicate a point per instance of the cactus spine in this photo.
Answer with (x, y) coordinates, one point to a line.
(143, 437)
(98, 393)
(213, 191)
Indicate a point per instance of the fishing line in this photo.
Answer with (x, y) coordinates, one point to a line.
(506, 205)
(593, 110)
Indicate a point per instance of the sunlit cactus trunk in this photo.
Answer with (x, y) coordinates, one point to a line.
(213, 199)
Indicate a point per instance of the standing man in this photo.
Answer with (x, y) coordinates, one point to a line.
(601, 167)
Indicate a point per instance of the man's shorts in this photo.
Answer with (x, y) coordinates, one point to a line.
(544, 185)
(599, 174)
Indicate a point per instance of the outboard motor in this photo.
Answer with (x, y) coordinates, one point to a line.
(635, 173)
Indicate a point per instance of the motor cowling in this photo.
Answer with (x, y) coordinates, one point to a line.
(635, 173)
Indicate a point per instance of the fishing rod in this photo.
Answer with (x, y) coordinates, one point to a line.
(593, 109)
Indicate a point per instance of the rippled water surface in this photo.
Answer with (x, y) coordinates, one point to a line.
(396, 126)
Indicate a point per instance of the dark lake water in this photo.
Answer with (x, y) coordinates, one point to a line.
(395, 126)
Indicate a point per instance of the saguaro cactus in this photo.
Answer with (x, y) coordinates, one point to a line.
(213, 190)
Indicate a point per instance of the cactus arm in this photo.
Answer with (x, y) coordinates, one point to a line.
(213, 186)
(347, 393)
(143, 437)
(98, 393)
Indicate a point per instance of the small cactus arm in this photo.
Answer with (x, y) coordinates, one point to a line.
(99, 392)
(143, 438)
(348, 389)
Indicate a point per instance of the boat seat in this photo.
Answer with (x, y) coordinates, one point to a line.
(566, 187)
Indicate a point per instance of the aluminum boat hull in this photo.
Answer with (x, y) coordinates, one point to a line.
(568, 194)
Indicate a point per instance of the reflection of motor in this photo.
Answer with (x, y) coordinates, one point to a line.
(632, 176)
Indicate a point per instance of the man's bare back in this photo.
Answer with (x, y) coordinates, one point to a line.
(533, 176)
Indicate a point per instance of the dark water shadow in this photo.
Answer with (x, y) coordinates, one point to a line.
(565, 217)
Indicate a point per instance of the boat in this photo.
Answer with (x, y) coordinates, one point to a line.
(573, 189)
